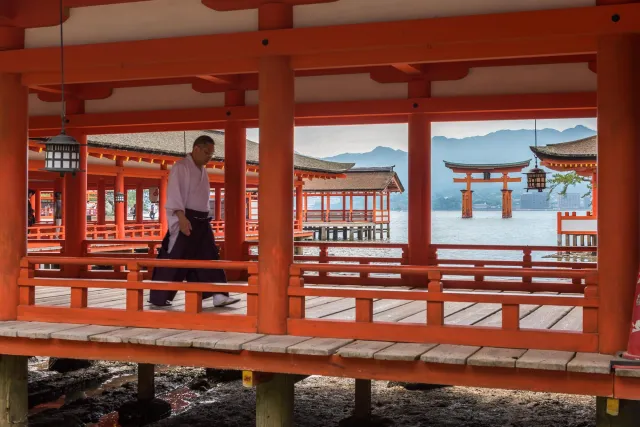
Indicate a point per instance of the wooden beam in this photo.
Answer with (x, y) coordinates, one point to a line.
(412, 70)
(46, 13)
(570, 31)
(202, 118)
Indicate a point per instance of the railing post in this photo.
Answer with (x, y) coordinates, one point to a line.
(478, 277)
(435, 309)
(296, 303)
(134, 296)
(526, 263)
(511, 317)
(324, 259)
(27, 293)
(252, 299)
(590, 314)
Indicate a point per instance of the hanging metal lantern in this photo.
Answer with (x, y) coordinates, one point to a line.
(536, 179)
(118, 197)
(62, 154)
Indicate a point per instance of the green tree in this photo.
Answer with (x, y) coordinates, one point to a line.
(563, 181)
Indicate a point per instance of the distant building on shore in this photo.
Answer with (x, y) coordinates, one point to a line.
(533, 201)
(569, 201)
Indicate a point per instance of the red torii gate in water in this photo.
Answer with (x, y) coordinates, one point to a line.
(486, 170)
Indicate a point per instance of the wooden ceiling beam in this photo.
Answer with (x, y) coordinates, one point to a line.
(571, 31)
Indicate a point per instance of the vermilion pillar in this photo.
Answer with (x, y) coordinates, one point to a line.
(37, 206)
(419, 179)
(120, 212)
(13, 215)
(275, 204)
(75, 212)
(619, 213)
(75, 191)
(101, 209)
(235, 182)
(139, 203)
(162, 201)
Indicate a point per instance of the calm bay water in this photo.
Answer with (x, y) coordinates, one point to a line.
(486, 228)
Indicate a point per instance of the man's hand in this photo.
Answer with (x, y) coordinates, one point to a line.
(184, 223)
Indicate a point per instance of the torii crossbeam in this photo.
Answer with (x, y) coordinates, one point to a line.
(486, 170)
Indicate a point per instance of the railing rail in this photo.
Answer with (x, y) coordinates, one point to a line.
(505, 287)
(432, 292)
(134, 314)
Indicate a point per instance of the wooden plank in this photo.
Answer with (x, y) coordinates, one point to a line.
(10, 329)
(495, 320)
(363, 349)
(628, 372)
(403, 351)
(546, 360)
(590, 363)
(274, 343)
(209, 342)
(496, 357)
(42, 330)
(83, 333)
(572, 321)
(544, 317)
(401, 312)
(119, 335)
(186, 339)
(449, 354)
(329, 309)
(235, 340)
(319, 346)
(473, 314)
(150, 336)
(450, 308)
(378, 306)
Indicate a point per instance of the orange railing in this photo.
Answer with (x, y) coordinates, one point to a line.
(317, 215)
(40, 232)
(577, 230)
(396, 254)
(430, 289)
(133, 313)
(506, 279)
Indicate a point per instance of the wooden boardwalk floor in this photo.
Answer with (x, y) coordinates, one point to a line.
(402, 311)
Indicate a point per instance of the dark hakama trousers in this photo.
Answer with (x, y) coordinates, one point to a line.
(200, 245)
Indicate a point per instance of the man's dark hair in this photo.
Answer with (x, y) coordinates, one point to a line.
(203, 140)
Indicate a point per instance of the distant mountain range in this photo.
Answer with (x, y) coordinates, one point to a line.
(504, 146)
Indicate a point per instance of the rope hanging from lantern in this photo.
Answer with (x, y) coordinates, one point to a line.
(184, 140)
(64, 100)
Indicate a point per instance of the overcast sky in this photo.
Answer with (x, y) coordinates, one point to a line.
(331, 140)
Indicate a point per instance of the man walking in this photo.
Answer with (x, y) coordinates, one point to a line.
(190, 235)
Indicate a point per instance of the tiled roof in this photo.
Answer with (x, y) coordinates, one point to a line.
(179, 143)
(582, 149)
(487, 166)
(360, 179)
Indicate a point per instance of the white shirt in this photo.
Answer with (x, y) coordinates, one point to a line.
(188, 188)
